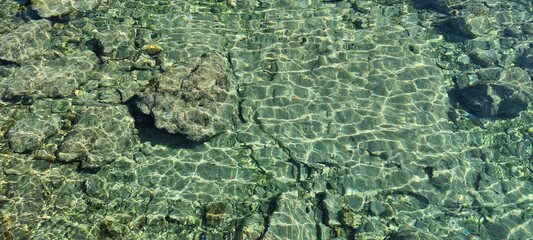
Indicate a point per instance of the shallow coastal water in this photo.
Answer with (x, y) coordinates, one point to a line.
(250, 119)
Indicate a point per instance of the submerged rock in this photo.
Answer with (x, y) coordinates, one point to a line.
(50, 79)
(198, 104)
(27, 41)
(51, 8)
(29, 133)
(53, 79)
(291, 220)
(525, 60)
(471, 26)
(99, 136)
(491, 100)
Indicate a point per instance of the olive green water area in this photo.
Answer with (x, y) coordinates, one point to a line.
(245, 119)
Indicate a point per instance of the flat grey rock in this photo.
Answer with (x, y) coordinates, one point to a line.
(503, 98)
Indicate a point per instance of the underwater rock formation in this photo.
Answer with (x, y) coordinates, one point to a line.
(100, 135)
(29, 133)
(490, 100)
(54, 78)
(198, 104)
(27, 41)
(52, 8)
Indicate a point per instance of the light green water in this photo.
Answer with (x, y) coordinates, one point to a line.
(245, 119)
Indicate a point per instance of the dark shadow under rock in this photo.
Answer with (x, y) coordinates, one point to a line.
(525, 60)
(149, 133)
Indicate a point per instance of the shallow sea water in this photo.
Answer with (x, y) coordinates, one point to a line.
(266, 119)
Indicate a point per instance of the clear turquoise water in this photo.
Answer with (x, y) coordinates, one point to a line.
(265, 120)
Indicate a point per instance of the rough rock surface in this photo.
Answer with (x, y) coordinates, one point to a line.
(100, 135)
(488, 100)
(525, 60)
(342, 128)
(53, 78)
(25, 42)
(29, 133)
(52, 8)
(471, 26)
(505, 97)
(198, 104)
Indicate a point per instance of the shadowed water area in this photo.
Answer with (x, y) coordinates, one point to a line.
(266, 119)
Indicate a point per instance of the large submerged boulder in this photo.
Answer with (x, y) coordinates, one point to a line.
(198, 103)
(503, 98)
(491, 100)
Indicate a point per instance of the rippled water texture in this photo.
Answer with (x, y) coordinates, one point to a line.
(266, 119)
